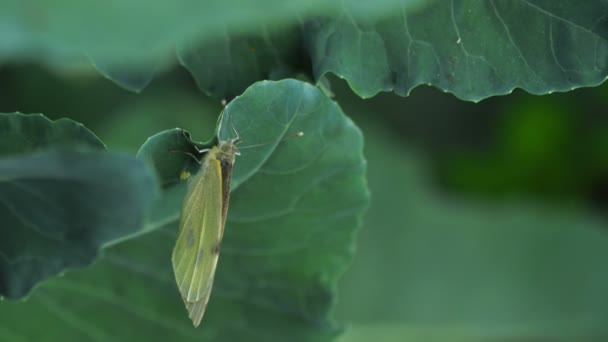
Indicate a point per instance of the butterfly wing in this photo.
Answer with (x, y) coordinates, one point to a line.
(195, 253)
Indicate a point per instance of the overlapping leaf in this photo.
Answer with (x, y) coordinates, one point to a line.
(141, 32)
(294, 208)
(473, 49)
(61, 198)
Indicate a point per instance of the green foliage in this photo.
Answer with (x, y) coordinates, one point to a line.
(546, 147)
(295, 204)
(139, 32)
(473, 49)
(60, 204)
(294, 208)
(226, 66)
(431, 267)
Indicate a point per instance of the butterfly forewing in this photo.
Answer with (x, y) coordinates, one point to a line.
(195, 254)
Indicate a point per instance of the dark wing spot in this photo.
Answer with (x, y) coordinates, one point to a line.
(216, 247)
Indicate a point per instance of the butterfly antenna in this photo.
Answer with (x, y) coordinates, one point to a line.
(224, 103)
(233, 129)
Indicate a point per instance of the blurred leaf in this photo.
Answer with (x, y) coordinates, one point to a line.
(59, 206)
(84, 95)
(539, 151)
(473, 49)
(433, 268)
(227, 66)
(146, 32)
(161, 107)
(539, 130)
(126, 74)
(293, 211)
(20, 134)
(400, 332)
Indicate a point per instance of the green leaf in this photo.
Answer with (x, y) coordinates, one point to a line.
(145, 32)
(431, 267)
(21, 134)
(159, 108)
(126, 74)
(473, 49)
(226, 66)
(61, 199)
(294, 208)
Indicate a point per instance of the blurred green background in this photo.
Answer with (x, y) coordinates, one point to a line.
(486, 223)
